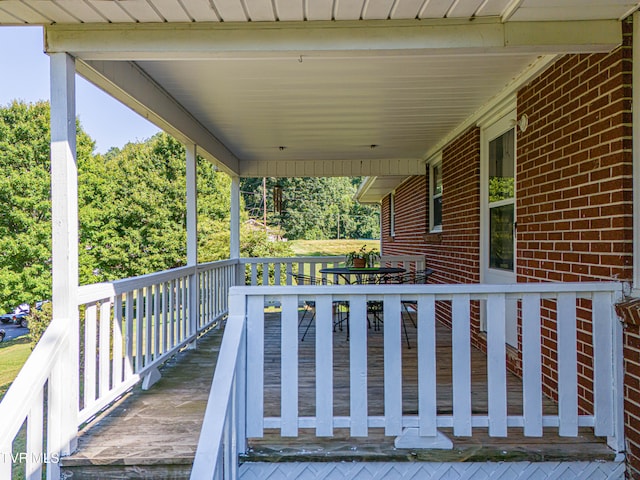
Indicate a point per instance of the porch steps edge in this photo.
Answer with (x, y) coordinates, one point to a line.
(432, 470)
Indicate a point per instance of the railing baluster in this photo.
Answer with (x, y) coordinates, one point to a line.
(602, 364)
(461, 364)
(531, 365)
(567, 365)
(128, 364)
(276, 273)
(185, 305)
(34, 439)
(254, 274)
(496, 365)
(104, 352)
(139, 329)
(427, 401)
(166, 309)
(392, 365)
(178, 311)
(148, 318)
(324, 366)
(157, 320)
(55, 404)
(358, 362)
(173, 307)
(289, 366)
(5, 465)
(90, 354)
(255, 366)
(117, 342)
(289, 273)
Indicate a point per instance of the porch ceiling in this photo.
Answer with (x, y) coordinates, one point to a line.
(271, 88)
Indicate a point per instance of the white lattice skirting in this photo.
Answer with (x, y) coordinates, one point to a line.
(434, 471)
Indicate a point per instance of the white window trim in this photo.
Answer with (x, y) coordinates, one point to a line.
(392, 214)
(504, 123)
(434, 163)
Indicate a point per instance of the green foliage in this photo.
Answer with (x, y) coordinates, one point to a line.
(214, 245)
(133, 210)
(38, 322)
(25, 205)
(313, 208)
(370, 256)
(132, 216)
(501, 188)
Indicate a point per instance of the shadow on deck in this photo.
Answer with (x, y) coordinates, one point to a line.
(153, 434)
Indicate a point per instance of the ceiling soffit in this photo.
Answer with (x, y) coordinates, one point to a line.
(322, 98)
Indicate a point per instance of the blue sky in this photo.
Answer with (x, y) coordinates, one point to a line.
(24, 75)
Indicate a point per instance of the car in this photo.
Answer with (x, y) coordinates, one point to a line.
(18, 316)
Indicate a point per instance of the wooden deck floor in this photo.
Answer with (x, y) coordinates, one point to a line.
(151, 434)
(154, 433)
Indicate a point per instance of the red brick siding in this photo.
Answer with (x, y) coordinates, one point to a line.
(574, 192)
(574, 189)
(574, 173)
(632, 399)
(455, 256)
(629, 311)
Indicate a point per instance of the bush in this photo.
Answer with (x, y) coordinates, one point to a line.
(38, 322)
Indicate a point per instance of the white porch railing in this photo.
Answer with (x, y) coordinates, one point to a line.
(142, 321)
(248, 305)
(130, 327)
(282, 271)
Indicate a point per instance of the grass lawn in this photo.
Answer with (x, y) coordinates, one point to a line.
(319, 248)
(13, 354)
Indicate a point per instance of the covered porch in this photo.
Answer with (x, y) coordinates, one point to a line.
(327, 89)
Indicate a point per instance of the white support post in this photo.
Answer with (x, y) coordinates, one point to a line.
(64, 213)
(192, 239)
(234, 226)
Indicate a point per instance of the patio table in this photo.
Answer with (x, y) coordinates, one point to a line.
(365, 273)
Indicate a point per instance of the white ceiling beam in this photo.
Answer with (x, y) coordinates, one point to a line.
(330, 39)
(127, 83)
(332, 168)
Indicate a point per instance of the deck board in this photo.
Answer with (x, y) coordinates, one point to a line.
(156, 428)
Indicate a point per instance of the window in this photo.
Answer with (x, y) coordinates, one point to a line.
(392, 214)
(435, 196)
(501, 201)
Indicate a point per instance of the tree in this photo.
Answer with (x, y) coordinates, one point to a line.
(133, 216)
(314, 208)
(132, 208)
(25, 205)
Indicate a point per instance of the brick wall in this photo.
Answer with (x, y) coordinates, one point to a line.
(629, 311)
(632, 399)
(574, 210)
(574, 189)
(454, 253)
